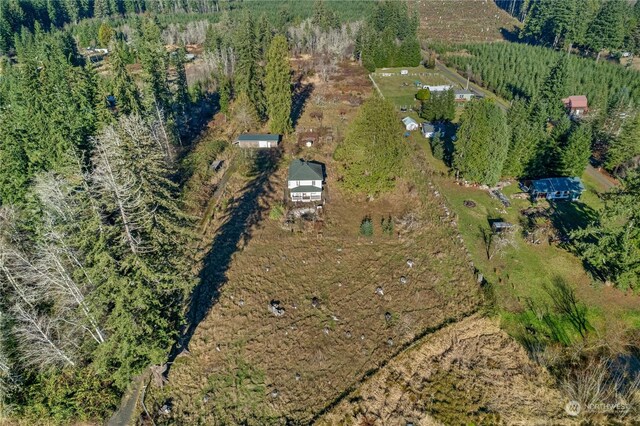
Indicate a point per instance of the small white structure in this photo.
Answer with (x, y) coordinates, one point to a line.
(428, 130)
(257, 140)
(441, 88)
(410, 124)
(404, 72)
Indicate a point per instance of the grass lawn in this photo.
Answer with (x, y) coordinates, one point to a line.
(401, 89)
(521, 271)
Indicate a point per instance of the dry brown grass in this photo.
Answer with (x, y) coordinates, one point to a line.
(463, 21)
(241, 352)
(468, 373)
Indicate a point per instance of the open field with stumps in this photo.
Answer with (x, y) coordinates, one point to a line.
(349, 302)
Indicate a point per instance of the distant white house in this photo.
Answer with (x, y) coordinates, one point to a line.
(410, 124)
(463, 95)
(305, 181)
(442, 88)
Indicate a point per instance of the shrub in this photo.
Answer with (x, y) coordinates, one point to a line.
(366, 227)
(277, 211)
(387, 225)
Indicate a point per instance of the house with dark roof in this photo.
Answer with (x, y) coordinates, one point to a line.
(577, 106)
(559, 188)
(429, 130)
(305, 181)
(257, 140)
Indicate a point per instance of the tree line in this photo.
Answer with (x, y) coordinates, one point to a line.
(95, 247)
(389, 37)
(592, 25)
(612, 91)
(534, 138)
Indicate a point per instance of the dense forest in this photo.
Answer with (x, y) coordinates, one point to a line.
(389, 38)
(613, 92)
(592, 25)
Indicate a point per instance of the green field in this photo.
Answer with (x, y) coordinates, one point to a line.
(401, 89)
(521, 271)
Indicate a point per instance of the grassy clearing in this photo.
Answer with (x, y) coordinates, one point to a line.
(401, 89)
(522, 270)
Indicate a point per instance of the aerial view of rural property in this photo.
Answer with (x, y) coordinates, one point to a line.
(319, 212)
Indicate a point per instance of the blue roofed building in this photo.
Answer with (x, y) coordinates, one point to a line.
(558, 188)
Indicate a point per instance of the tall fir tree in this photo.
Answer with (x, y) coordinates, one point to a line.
(248, 71)
(576, 151)
(611, 243)
(124, 88)
(524, 138)
(278, 86)
(153, 57)
(607, 28)
(625, 148)
(371, 155)
(483, 142)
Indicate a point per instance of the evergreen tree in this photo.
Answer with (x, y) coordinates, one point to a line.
(555, 88)
(247, 75)
(145, 227)
(611, 244)
(483, 141)
(625, 148)
(324, 17)
(439, 106)
(278, 86)
(224, 93)
(101, 8)
(73, 10)
(607, 29)
(124, 88)
(153, 57)
(522, 145)
(574, 155)
(105, 34)
(181, 97)
(373, 150)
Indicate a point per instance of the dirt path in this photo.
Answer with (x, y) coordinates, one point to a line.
(454, 76)
(603, 180)
(125, 414)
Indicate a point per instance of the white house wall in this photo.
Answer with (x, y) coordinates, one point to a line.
(296, 183)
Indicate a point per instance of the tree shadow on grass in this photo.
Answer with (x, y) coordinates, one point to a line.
(301, 93)
(571, 216)
(242, 214)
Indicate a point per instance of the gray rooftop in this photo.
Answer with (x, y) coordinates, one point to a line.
(307, 188)
(305, 170)
(463, 92)
(251, 137)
